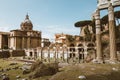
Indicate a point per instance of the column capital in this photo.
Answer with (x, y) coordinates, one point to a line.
(111, 12)
(110, 7)
(98, 36)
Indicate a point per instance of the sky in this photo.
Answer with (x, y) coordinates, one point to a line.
(48, 16)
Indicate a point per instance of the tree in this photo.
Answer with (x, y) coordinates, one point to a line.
(82, 23)
(70, 38)
(88, 35)
(104, 19)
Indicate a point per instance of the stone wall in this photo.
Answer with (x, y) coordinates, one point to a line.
(4, 54)
(18, 53)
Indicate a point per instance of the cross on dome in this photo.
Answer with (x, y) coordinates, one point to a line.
(27, 16)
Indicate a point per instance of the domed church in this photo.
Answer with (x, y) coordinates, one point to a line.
(26, 24)
(24, 38)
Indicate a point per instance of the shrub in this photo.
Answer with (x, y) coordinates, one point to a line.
(4, 54)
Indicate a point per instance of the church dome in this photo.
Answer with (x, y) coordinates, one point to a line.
(26, 24)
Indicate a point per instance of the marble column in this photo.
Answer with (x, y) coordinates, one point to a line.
(98, 37)
(55, 54)
(67, 50)
(63, 54)
(41, 54)
(23, 40)
(113, 52)
(48, 54)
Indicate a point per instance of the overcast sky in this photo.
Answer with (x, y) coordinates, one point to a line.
(48, 16)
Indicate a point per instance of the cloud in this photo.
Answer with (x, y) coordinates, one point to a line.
(47, 31)
(5, 26)
(4, 29)
(50, 31)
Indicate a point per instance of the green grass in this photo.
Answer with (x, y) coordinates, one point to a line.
(70, 72)
(4, 64)
(91, 71)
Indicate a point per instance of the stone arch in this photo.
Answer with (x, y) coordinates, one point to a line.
(72, 47)
(80, 45)
(72, 50)
(80, 48)
(91, 52)
(31, 54)
(90, 45)
(81, 53)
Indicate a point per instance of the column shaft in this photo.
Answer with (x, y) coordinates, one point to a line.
(63, 55)
(49, 55)
(98, 44)
(98, 37)
(113, 52)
